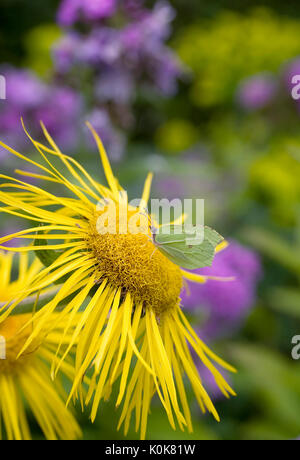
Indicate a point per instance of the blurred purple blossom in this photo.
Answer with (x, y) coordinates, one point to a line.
(256, 92)
(70, 11)
(166, 72)
(134, 56)
(144, 47)
(101, 46)
(115, 85)
(60, 113)
(28, 97)
(158, 22)
(24, 89)
(112, 65)
(225, 303)
(170, 187)
(99, 71)
(64, 52)
(134, 8)
(6, 230)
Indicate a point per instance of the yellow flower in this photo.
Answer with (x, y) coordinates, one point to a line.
(132, 331)
(25, 379)
(26, 273)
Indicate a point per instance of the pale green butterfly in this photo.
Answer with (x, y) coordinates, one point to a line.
(176, 248)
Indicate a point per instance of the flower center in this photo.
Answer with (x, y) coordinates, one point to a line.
(12, 340)
(132, 262)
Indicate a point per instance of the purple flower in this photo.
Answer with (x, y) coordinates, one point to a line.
(125, 58)
(157, 24)
(117, 63)
(71, 11)
(170, 187)
(10, 230)
(58, 107)
(167, 70)
(145, 49)
(23, 89)
(102, 46)
(152, 30)
(115, 85)
(225, 303)
(256, 92)
(60, 112)
(134, 9)
(64, 52)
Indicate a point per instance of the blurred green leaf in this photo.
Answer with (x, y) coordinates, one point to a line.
(274, 247)
(159, 428)
(261, 430)
(275, 384)
(285, 300)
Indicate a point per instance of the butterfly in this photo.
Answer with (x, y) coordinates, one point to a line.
(181, 246)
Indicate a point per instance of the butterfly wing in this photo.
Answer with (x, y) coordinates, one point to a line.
(175, 235)
(177, 256)
(191, 256)
(212, 236)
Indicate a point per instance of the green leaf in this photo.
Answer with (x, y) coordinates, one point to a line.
(273, 381)
(48, 256)
(285, 300)
(274, 247)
